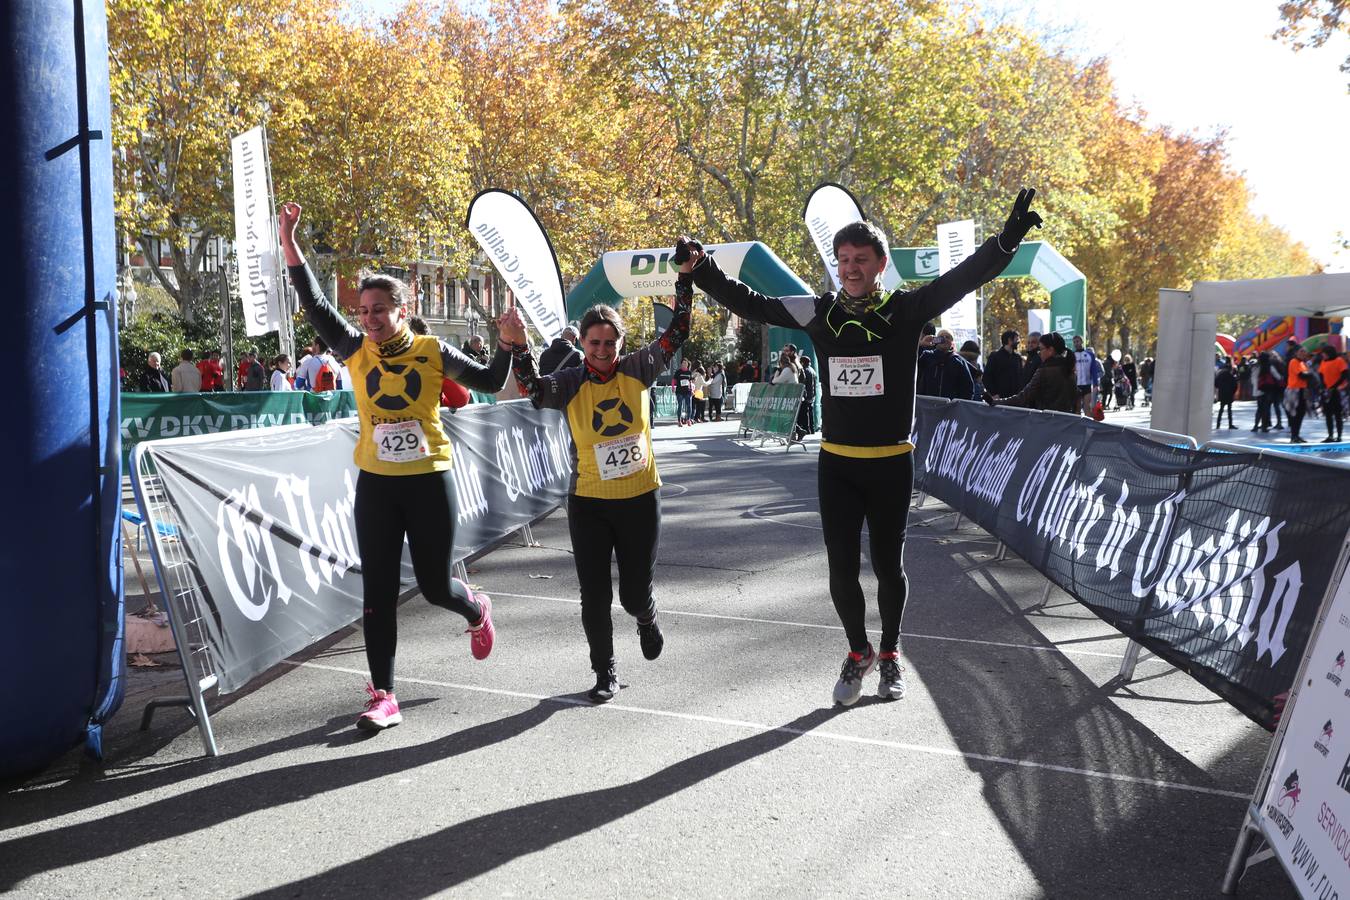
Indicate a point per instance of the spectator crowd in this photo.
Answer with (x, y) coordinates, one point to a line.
(1287, 384)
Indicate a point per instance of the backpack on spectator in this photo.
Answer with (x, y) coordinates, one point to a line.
(324, 379)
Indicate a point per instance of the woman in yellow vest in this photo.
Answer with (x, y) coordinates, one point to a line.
(614, 503)
(403, 454)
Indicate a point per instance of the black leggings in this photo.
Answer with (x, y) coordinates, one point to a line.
(629, 530)
(387, 508)
(1296, 415)
(1331, 408)
(876, 490)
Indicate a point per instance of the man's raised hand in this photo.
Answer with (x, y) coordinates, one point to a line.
(1020, 221)
(511, 327)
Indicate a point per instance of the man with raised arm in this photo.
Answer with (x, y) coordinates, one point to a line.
(867, 340)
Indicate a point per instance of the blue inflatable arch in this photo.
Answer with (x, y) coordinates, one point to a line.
(61, 563)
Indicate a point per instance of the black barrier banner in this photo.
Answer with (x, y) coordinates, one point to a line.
(1217, 562)
(265, 517)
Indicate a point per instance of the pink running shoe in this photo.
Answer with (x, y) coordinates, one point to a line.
(482, 634)
(381, 711)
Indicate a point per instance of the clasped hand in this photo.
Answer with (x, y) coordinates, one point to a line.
(511, 327)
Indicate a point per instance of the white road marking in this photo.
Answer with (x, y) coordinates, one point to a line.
(816, 734)
(904, 636)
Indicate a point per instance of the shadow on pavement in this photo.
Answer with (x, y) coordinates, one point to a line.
(474, 847)
(1084, 835)
(223, 801)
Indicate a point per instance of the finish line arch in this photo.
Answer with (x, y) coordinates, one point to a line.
(621, 274)
(1034, 259)
(1183, 380)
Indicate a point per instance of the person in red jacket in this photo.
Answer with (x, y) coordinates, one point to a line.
(245, 363)
(453, 394)
(213, 376)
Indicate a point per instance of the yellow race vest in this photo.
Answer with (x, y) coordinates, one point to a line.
(398, 399)
(612, 434)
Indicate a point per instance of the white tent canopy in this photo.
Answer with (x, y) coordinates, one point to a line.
(1183, 379)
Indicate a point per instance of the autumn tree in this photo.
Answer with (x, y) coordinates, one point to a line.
(185, 77)
(1311, 23)
(376, 141)
(553, 123)
(767, 100)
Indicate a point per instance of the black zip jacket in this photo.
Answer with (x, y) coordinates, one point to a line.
(867, 362)
(1003, 372)
(559, 355)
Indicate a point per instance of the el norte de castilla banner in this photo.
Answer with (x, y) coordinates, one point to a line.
(265, 519)
(512, 237)
(1216, 562)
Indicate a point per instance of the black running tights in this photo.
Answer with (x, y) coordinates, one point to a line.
(628, 530)
(387, 508)
(876, 491)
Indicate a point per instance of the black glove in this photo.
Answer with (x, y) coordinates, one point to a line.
(989, 398)
(1020, 221)
(683, 246)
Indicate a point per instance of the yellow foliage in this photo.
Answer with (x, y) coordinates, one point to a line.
(626, 122)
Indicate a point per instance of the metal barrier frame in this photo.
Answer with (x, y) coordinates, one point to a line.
(181, 594)
(183, 597)
(1134, 652)
(788, 442)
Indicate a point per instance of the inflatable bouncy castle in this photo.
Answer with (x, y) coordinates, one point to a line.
(1273, 332)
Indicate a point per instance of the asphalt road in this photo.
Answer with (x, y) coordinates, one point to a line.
(1015, 767)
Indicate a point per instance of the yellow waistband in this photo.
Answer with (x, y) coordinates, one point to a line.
(866, 452)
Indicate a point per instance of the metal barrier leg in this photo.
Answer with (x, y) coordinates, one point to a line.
(461, 571)
(1001, 553)
(527, 536)
(203, 718)
(1127, 664)
(1045, 597)
(163, 703)
(957, 523)
(1237, 863)
(196, 708)
(923, 498)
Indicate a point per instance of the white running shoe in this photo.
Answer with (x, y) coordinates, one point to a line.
(856, 667)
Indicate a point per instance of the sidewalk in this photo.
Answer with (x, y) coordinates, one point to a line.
(1244, 415)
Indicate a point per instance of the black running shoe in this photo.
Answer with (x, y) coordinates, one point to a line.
(606, 686)
(649, 635)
